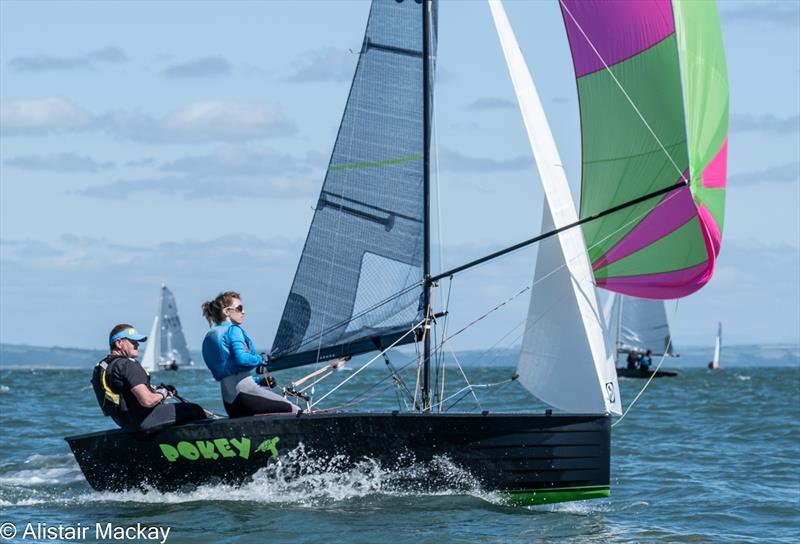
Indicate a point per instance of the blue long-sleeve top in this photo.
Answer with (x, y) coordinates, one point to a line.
(227, 350)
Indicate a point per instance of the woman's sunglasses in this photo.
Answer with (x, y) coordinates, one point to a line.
(238, 308)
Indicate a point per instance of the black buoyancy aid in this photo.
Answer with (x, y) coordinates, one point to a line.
(111, 402)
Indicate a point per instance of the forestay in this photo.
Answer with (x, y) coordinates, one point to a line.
(564, 359)
(653, 93)
(359, 281)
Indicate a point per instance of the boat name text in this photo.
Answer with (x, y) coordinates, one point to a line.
(217, 448)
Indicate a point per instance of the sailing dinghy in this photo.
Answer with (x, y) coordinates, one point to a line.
(639, 325)
(653, 98)
(166, 345)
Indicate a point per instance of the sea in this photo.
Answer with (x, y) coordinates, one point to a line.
(707, 456)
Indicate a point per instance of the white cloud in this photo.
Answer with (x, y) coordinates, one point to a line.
(58, 162)
(41, 116)
(238, 162)
(768, 124)
(778, 14)
(49, 63)
(781, 173)
(458, 162)
(217, 188)
(86, 284)
(226, 120)
(203, 121)
(324, 65)
(204, 67)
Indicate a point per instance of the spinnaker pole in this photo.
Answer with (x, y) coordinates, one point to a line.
(432, 279)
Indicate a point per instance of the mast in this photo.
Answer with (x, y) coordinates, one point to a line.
(426, 154)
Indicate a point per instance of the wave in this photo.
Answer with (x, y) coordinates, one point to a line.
(298, 479)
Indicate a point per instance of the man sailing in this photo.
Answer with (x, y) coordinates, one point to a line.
(123, 389)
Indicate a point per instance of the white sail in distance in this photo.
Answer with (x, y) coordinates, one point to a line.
(564, 360)
(149, 357)
(717, 346)
(171, 342)
(641, 325)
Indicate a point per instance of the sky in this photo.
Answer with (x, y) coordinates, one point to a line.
(186, 143)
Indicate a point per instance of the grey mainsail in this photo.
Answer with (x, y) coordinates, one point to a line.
(358, 285)
(172, 341)
(641, 325)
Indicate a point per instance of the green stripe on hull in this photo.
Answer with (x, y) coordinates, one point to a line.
(553, 495)
(401, 160)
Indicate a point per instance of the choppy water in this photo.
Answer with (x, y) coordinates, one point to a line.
(705, 457)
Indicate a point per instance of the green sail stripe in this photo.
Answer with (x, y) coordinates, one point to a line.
(714, 199)
(549, 496)
(335, 167)
(621, 158)
(705, 83)
(682, 248)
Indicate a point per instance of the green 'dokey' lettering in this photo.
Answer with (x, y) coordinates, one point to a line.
(213, 449)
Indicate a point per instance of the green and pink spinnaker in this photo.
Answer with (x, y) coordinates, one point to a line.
(653, 92)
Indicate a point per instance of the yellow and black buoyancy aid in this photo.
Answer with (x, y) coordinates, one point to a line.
(109, 400)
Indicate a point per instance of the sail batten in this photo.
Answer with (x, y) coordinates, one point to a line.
(360, 278)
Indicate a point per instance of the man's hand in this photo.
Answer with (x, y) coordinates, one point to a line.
(166, 390)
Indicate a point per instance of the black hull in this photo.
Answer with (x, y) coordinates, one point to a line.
(531, 459)
(637, 373)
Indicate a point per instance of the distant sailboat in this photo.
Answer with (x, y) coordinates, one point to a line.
(166, 346)
(714, 363)
(639, 325)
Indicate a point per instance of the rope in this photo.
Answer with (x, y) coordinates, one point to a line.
(354, 374)
(469, 388)
(458, 364)
(653, 375)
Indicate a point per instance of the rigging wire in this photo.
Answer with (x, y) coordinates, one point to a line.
(354, 374)
(466, 380)
(444, 333)
(533, 284)
(466, 390)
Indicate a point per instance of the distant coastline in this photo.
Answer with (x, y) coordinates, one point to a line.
(782, 355)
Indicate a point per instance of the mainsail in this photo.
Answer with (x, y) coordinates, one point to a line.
(640, 325)
(359, 283)
(172, 342)
(564, 360)
(166, 342)
(653, 92)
